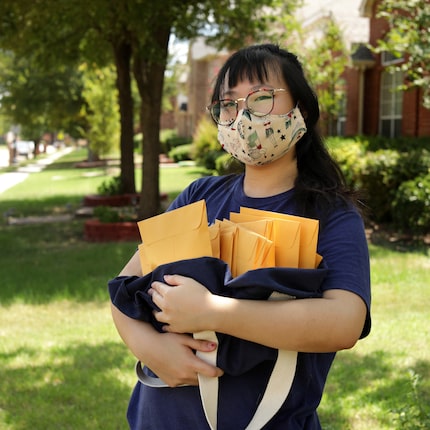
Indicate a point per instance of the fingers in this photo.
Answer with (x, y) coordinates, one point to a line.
(158, 288)
(202, 366)
(201, 345)
(206, 369)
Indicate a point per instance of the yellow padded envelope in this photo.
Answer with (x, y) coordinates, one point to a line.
(284, 233)
(308, 234)
(250, 250)
(259, 226)
(227, 233)
(214, 235)
(179, 234)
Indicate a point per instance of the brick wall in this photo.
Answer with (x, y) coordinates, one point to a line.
(416, 119)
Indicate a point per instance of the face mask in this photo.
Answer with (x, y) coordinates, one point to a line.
(257, 140)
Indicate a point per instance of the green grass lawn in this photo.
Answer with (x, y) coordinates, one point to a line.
(63, 366)
(384, 382)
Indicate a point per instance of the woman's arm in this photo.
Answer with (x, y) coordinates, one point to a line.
(133, 267)
(328, 324)
(170, 356)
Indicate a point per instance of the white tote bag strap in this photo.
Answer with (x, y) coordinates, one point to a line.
(277, 389)
(150, 381)
(145, 379)
(208, 386)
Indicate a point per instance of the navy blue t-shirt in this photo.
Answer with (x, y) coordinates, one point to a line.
(342, 243)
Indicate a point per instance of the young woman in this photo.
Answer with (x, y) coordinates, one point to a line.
(287, 170)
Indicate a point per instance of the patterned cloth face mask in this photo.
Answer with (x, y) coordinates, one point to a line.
(255, 140)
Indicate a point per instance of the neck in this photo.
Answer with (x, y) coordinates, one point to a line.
(271, 179)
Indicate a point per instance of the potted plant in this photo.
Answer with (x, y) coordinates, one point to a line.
(112, 224)
(110, 193)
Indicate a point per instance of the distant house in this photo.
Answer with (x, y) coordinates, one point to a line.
(204, 63)
(375, 107)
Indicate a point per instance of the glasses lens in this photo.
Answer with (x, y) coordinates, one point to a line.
(224, 112)
(260, 102)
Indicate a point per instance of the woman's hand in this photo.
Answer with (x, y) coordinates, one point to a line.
(185, 304)
(170, 356)
(176, 363)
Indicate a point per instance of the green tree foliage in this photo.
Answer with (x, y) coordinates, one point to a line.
(101, 109)
(325, 64)
(409, 38)
(39, 99)
(135, 34)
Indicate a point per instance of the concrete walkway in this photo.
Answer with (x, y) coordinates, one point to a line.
(10, 179)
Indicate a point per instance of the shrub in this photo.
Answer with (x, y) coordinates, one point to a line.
(414, 163)
(169, 140)
(379, 182)
(108, 214)
(379, 174)
(206, 148)
(111, 187)
(401, 144)
(411, 206)
(175, 141)
(382, 173)
(181, 153)
(226, 164)
(349, 155)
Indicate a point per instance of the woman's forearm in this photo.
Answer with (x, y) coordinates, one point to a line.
(325, 324)
(135, 334)
(329, 324)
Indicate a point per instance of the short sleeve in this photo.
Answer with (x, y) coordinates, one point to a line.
(343, 245)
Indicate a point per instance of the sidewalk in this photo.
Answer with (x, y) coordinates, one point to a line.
(10, 179)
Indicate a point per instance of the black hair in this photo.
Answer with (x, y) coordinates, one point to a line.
(320, 184)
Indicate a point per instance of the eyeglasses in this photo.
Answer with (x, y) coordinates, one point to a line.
(259, 102)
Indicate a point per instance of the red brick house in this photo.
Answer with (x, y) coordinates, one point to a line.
(373, 106)
(204, 63)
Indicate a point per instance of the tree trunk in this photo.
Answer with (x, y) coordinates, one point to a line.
(122, 53)
(149, 74)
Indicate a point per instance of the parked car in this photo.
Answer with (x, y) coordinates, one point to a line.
(25, 147)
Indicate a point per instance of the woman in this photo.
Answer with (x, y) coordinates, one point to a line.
(267, 116)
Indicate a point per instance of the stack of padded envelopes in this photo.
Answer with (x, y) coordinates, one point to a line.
(249, 240)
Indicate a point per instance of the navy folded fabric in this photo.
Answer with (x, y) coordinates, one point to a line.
(235, 356)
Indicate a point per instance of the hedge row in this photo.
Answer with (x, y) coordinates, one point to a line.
(395, 183)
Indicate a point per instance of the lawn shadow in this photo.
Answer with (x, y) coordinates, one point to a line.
(401, 395)
(50, 262)
(78, 388)
(389, 238)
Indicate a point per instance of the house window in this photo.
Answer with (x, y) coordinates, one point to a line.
(387, 58)
(391, 104)
(341, 119)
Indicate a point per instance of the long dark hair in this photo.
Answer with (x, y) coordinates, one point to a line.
(320, 184)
